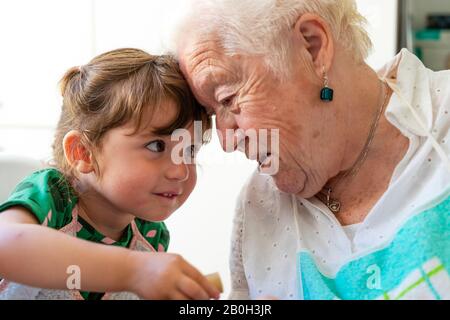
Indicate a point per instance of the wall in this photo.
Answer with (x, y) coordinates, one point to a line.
(420, 9)
(382, 27)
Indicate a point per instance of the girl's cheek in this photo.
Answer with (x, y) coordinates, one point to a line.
(191, 181)
(193, 174)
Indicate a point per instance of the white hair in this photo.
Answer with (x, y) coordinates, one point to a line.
(261, 27)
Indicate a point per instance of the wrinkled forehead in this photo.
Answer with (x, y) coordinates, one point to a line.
(205, 64)
(196, 50)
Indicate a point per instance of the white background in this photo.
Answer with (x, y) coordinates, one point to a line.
(39, 40)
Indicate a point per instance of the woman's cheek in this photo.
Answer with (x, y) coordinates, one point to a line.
(252, 121)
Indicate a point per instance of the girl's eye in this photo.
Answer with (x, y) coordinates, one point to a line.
(191, 151)
(156, 146)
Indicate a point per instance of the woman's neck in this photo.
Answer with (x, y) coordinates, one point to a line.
(359, 192)
(365, 96)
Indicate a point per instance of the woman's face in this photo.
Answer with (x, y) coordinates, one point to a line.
(244, 94)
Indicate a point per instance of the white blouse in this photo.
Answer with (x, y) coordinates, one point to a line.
(271, 227)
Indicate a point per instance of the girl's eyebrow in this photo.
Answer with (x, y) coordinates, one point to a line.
(152, 134)
(146, 133)
(150, 131)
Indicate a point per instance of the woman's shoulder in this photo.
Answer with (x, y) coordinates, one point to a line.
(440, 94)
(420, 105)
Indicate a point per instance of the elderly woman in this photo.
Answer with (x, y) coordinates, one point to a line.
(359, 207)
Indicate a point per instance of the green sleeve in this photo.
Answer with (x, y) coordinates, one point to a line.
(47, 195)
(156, 233)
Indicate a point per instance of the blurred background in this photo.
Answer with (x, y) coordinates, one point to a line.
(39, 40)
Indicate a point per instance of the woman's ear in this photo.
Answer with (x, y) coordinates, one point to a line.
(77, 154)
(316, 37)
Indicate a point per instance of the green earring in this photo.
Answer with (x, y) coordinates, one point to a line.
(326, 94)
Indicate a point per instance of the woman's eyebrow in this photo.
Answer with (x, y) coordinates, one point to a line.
(211, 88)
(205, 91)
(206, 82)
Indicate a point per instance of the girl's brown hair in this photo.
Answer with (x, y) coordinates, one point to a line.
(120, 86)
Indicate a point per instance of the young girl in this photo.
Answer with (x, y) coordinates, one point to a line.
(90, 228)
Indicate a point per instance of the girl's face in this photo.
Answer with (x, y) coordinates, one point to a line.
(138, 175)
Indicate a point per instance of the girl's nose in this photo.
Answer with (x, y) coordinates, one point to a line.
(179, 172)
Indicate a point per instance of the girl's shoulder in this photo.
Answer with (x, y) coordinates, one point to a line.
(155, 233)
(47, 195)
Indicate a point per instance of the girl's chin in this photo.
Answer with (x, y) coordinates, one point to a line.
(156, 213)
(160, 217)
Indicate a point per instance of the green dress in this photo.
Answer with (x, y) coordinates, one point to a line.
(49, 196)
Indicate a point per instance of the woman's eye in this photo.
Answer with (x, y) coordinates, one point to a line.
(156, 146)
(227, 102)
(210, 112)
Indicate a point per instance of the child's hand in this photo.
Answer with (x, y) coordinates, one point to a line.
(168, 276)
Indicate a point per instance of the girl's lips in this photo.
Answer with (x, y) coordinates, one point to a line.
(168, 195)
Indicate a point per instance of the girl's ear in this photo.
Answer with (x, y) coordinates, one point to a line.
(77, 154)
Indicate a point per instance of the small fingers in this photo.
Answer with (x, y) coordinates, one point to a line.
(178, 295)
(192, 289)
(201, 280)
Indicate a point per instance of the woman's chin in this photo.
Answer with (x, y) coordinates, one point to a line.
(288, 183)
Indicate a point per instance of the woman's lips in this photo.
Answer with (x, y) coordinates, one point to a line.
(265, 165)
(265, 159)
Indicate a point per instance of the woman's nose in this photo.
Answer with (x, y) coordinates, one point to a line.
(179, 172)
(227, 130)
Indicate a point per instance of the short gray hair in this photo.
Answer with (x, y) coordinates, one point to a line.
(260, 27)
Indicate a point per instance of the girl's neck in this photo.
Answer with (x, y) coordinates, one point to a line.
(102, 215)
